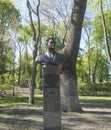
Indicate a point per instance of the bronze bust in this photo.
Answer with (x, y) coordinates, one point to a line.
(51, 56)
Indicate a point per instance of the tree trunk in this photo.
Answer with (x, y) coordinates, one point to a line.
(105, 33)
(27, 65)
(13, 75)
(36, 39)
(94, 71)
(89, 62)
(69, 85)
(19, 75)
(33, 78)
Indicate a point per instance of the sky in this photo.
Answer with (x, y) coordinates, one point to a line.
(21, 6)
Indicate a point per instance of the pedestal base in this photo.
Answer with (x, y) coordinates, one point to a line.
(52, 111)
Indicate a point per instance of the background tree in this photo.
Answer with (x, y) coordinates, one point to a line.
(8, 15)
(23, 46)
(9, 20)
(20, 49)
(36, 38)
(87, 31)
(105, 30)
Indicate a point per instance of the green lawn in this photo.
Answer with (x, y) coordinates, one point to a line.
(23, 100)
(19, 100)
(94, 99)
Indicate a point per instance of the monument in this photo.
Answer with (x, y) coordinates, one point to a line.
(51, 61)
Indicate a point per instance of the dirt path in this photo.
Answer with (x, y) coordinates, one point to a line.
(95, 117)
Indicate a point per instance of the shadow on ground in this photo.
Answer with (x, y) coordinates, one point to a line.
(21, 118)
(96, 116)
(21, 112)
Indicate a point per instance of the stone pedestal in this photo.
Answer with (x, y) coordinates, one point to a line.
(52, 109)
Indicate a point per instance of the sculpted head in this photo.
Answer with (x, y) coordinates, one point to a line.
(51, 43)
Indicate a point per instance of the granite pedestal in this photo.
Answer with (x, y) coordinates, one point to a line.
(52, 109)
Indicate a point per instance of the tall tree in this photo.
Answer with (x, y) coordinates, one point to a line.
(20, 48)
(24, 35)
(9, 19)
(36, 38)
(69, 85)
(105, 30)
(87, 30)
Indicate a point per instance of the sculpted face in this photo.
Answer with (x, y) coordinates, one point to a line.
(51, 44)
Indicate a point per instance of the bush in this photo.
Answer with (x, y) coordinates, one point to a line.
(5, 84)
(98, 89)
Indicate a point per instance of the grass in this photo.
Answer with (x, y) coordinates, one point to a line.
(95, 102)
(86, 99)
(19, 100)
(23, 100)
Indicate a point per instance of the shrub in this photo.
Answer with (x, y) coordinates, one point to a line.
(98, 89)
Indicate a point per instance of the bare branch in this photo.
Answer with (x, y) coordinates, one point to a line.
(32, 24)
(38, 17)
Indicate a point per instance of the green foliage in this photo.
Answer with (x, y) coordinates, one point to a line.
(97, 89)
(97, 33)
(98, 63)
(6, 63)
(26, 68)
(9, 18)
(25, 33)
(8, 13)
(82, 70)
(5, 83)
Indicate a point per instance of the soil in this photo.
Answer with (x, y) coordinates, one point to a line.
(96, 116)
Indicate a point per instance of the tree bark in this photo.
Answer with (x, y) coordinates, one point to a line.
(105, 33)
(36, 39)
(69, 85)
(19, 75)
